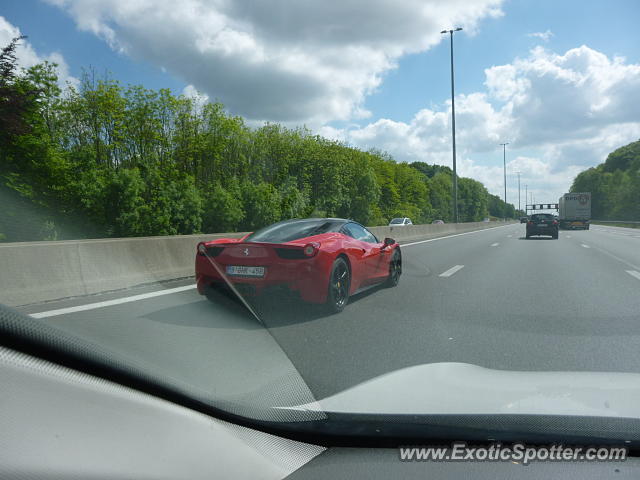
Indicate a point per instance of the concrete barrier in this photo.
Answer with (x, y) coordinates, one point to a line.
(34, 272)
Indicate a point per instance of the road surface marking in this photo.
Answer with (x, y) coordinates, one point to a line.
(585, 246)
(454, 235)
(568, 236)
(621, 260)
(495, 244)
(633, 273)
(509, 236)
(451, 271)
(108, 303)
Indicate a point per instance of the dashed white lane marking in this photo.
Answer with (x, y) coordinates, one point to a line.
(108, 303)
(451, 271)
(633, 273)
(454, 235)
(509, 236)
(585, 246)
(568, 236)
(495, 244)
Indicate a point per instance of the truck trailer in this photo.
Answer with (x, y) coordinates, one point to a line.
(574, 211)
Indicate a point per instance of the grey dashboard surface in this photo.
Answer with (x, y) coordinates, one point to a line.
(57, 423)
(370, 463)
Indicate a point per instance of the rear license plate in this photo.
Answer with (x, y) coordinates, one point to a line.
(542, 224)
(242, 271)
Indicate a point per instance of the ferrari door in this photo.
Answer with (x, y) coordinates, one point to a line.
(373, 256)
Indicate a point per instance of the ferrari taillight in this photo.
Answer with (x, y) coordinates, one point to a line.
(311, 249)
(209, 251)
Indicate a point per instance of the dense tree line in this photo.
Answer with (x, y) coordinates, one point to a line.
(107, 160)
(614, 185)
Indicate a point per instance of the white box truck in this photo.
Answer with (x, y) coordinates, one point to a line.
(574, 210)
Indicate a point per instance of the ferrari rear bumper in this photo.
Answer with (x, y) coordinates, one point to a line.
(304, 277)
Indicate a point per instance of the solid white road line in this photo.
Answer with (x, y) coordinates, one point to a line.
(615, 257)
(633, 273)
(495, 244)
(454, 235)
(108, 303)
(451, 271)
(585, 246)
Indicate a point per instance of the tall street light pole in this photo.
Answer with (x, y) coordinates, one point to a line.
(518, 191)
(526, 199)
(453, 130)
(504, 163)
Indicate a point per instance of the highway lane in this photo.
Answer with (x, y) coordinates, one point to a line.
(490, 298)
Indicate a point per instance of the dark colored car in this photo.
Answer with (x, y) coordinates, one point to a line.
(325, 260)
(542, 224)
(524, 219)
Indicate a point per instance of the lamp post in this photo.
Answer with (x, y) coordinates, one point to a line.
(453, 129)
(518, 192)
(504, 163)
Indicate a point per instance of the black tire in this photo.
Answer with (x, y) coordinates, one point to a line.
(528, 236)
(339, 283)
(555, 237)
(395, 269)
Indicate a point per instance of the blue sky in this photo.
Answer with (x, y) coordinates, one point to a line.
(422, 79)
(345, 85)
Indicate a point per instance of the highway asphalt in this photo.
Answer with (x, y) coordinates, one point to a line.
(490, 298)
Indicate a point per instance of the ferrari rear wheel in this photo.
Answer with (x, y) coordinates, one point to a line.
(395, 269)
(339, 282)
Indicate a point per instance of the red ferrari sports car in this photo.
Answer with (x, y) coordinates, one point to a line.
(325, 260)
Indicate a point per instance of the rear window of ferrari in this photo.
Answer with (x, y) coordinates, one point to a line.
(293, 230)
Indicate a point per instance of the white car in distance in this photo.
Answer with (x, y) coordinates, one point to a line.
(397, 222)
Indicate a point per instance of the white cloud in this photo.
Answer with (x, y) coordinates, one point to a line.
(556, 98)
(199, 98)
(27, 56)
(560, 113)
(544, 36)
(291, 61)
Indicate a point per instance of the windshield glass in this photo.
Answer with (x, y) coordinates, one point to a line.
(211, 190)
(288, 231)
